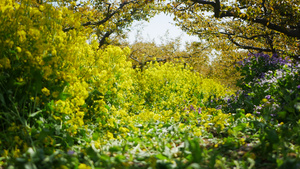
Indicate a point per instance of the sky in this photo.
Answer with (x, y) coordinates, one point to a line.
(157, 28)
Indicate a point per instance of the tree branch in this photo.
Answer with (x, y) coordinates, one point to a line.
(290, 31)
(103, 39)
(103, 20)
(248, 47)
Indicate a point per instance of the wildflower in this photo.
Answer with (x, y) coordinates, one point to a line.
(45, 91)
(16, 153)
(258, 107)
(5, 62)
(199, 110)
(192, 108)
(228, 100)
(19, 50)
(5, 153)
(41, 7)
(83, 166)
(110, 135)
(63, 167)
(55, 94)
(219, 107)
(71, 152)
(248, 115)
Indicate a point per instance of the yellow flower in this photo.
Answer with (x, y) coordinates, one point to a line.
(110, 135)
(19, 50)
(249, 115)
(55, 94)
(22, 35)
(41, 7)
(63, 167)
(17, 153)
(123, 129)
(97, 144)
(5, 153)
(197, 132)
(18, 140)
(242, 141)
(83, 166)
(45, 91)
(264, 100)
(5, 62)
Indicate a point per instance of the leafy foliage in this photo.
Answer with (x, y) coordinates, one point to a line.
(255, 25)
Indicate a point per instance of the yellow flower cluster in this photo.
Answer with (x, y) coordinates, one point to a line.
(86, 84)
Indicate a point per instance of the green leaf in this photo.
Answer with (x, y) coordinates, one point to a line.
(95, 136)
(282, 114)
(272, 136)
(114, 149)
(35, 113)
(161, 157)
(2, 99)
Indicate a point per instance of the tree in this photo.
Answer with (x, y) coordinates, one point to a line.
(107, 19)
(169, 50)
(256, 25)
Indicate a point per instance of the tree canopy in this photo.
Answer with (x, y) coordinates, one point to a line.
(256, 25)
(107, 19)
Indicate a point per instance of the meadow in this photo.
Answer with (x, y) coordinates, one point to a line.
(65, 103)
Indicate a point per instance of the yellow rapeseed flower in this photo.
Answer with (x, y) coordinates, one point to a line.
(41, 7)
(5, 153)
(19, 50)
(17, 153)
(110, 135)
(5, 63)
(46, 91)
(83, 166)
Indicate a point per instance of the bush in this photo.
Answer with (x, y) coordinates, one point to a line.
(269, 88)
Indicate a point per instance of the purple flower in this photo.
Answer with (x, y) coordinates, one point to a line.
(71, 152)
(257, 107)
(228, 100)
(268, 97)
(192, 108)
(199, 110)
(298, 87)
